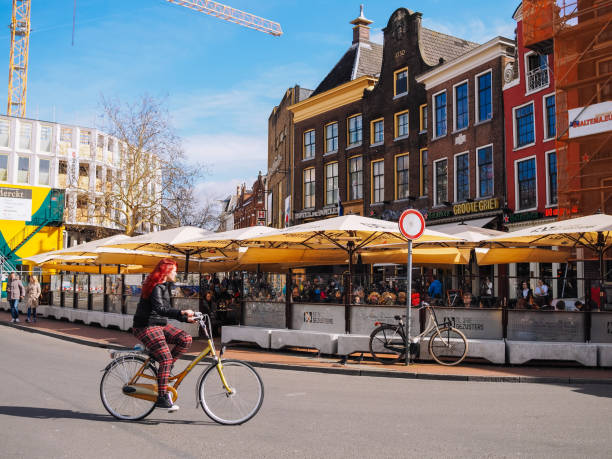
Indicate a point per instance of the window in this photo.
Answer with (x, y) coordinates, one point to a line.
(45, 138)
(424, 181)
(377, 134)
(355, 131)
(440, 114)
(523, 125)
(331, 137)
(3, 168)
(526, 184)
(378, 181)
(537, 71)
(66, 135)
(331, 183)
(401, 124)
(5, 129)
(461, 106)
(44, 166)
(85, 138)
(356, 178)
(550, 117)
(551, 160)
(401, 177)
(23, 170)
(110, 146)
(401, 82)
(462, 177)
(309, 144)
(25, 136)
(485, 109)
(441, 181)
(423, 118)
(309, 188)
(604, 86)
(485, 171)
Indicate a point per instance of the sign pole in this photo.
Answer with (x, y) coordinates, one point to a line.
(408, 300)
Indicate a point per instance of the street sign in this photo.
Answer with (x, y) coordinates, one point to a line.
(412, 224)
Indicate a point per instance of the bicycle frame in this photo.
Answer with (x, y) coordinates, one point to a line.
(149, 391)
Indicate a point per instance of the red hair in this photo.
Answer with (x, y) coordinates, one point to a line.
(158, 276)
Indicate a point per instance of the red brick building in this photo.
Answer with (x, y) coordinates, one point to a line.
(251, 206)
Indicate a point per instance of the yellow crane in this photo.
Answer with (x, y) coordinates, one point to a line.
(20, 41)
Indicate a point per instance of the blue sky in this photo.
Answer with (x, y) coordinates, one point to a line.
(220, 80)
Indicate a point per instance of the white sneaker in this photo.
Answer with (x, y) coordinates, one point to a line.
(12, 321)
(16, 320)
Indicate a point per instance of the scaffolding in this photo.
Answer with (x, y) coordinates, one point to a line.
(579, 33)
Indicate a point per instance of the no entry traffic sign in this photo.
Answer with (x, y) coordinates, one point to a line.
(412, 224)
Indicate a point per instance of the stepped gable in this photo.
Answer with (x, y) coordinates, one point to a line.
(435, 45)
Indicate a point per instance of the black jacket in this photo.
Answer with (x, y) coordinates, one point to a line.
(154, 310)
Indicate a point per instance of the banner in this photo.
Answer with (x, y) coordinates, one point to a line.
(15, 204)
(589, 120)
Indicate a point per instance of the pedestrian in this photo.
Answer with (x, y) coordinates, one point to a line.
(154, 331)
(435, 288)
(14, 293)
(33, 292)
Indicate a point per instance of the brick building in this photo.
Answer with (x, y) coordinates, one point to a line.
(359, 136)
(250, 207)
(280, 161)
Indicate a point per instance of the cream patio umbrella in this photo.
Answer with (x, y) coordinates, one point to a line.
(226, 241)
(166, 242)
(593, 232)
(496, 256)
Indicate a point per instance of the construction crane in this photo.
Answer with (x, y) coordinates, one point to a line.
(20, 41)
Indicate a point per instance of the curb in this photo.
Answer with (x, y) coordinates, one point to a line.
(568, 380)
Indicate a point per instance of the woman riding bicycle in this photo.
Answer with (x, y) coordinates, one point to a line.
(152, 329)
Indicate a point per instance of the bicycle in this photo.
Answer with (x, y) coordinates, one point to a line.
(230, 391)
(447, 345)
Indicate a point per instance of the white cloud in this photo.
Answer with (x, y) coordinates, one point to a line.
(474, 30)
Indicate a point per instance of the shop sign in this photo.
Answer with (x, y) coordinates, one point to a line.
(436, 214)
(316, 213)
(554, 211)
(523, 217)
(15, 204)
(477, 206)
(592, 119)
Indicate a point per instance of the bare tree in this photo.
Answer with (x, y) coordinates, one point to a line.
(153, 183)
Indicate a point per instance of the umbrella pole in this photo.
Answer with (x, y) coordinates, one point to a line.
(602, 268)
(187, 264)
(349, 288)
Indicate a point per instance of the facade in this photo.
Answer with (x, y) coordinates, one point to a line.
(251, 205)
(79, 161)
(226, 216)
(280, 160)
(465, 147)
(360, 135)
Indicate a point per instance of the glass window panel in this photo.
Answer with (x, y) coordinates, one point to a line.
(461, 99)
(463, 177)
(309, 144)
(331, 137)
(378, 174)
(5, 129)
(440, 107)
(484, 97)
(402, 177)
(44, 166)
(401, 82)
(331, 185)
(309, 188)
(356, 177)
(3, 168)
(524, 125)
(527, 184)
(45, 138)
(551, 117)
(355, 130)
(379, 131)
(552, 178)
(441, 181)
(25, 136)
(424, 180)
(23, 170)
(66, 135)
(402, 125)
(485, 171)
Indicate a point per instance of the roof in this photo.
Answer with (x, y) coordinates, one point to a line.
(363, 58)
(435, 45)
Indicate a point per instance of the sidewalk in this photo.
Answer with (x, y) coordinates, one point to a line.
(305, 360)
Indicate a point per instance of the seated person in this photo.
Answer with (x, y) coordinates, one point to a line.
(467, 300)
(560, 305)
(435, 289)
(576, 306)
(540, 294)
(525, 292)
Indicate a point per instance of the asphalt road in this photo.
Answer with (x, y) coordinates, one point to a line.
(50, 407)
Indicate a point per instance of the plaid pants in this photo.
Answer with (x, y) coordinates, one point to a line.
(156, 339)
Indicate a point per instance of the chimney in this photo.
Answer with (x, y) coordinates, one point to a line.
(361, 31)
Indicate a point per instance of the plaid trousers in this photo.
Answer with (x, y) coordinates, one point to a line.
(156, 339)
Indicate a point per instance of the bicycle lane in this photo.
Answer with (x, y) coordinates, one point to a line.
(307, 360)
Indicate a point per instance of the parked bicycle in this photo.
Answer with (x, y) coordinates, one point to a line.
(447, 345)
(229, 391)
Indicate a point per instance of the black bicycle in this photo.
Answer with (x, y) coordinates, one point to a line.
(447, 345)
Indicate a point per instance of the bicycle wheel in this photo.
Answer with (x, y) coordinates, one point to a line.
(448, 346)
(237, 406)
(117, 375)
(387, 344)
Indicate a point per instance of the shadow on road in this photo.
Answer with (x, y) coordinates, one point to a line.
(597, 390)
(53, 413)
